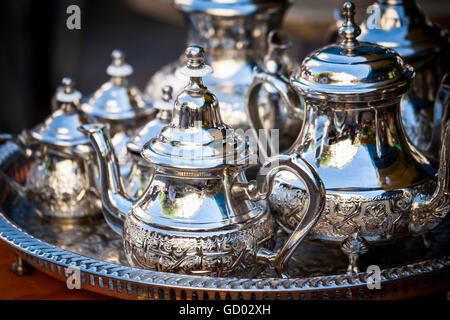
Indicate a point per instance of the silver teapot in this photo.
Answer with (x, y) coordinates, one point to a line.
(120, 105)
(234, 35)
(378, 186)
(61, 180)
(141, 169)
(402, 26)
(199, 215)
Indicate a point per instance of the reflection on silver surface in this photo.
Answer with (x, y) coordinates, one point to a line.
(402, 26)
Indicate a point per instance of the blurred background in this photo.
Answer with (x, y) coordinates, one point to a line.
(37, 49)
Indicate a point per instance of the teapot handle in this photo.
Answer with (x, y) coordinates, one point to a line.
(262, 188)
(441, 115)
(287, 93)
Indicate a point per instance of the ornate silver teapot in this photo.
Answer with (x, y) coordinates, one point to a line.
(401, 25)
(378, 186)
(234, 35)
(61, 180)
(121, 106)
(199, 214)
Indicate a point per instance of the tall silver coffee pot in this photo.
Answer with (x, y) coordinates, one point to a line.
(234, 34)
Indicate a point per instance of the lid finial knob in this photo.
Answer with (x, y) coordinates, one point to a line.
(67, 85)
(349, 30)
(118, 67)
(196, 66)
(167, 93)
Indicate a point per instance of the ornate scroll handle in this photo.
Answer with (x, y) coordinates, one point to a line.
(261, 189)
(429, 211)
(273, 73)
(441, 115)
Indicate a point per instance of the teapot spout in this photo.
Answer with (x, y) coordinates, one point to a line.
(428, 211)
(116, 203)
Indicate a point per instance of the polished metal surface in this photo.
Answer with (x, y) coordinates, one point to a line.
(267, 106)
(61, 182)
(408, 268)
(234, 35)
(199, 215)
(378, 186)
(402, 26)
(120, 105)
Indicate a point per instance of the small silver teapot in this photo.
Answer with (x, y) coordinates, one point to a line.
(61, 180)
(141, 169)
(401, 25)
(120, 105)
(199, 215)
(378, 186)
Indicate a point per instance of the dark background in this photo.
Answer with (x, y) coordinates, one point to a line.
(37, 49)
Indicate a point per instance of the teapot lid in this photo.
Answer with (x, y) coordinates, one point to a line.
(402, 26)
(230, 7)
(61, 127)
(196, 138)
(116, 100)
(350, 70)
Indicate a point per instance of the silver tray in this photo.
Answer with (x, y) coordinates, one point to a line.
(408, 268)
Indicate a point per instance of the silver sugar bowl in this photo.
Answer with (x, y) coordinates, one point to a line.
(234, 35)
(378, 186)
(121, 106)
(402, 26)
(61, 180)
(199, 215)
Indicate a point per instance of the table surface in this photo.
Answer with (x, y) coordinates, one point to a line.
(37, 285)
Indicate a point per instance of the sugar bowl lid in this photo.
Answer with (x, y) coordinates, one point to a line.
(196, 138)
(116, 99)
(352, 71)
(61, 127)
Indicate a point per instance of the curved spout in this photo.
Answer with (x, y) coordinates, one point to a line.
(116, 203)
(428, 211)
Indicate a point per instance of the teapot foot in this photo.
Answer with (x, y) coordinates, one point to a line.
(21, 268)
(353, 247)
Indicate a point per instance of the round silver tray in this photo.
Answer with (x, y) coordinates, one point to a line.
(408, 268)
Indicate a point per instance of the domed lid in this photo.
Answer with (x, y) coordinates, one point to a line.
(350, 70)
(230, 7)
(401, 25)
(196, 138)
(116, 99)
(61, 127)
(153, 128)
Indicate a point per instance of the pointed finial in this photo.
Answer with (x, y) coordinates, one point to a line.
(196, 66)
(349, 30)
(66, 92)
(118, 58)
(118, 67)
(67, 85)
(167, 93)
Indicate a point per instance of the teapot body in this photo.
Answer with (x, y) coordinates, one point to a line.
(192, 225)
(62, 187)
